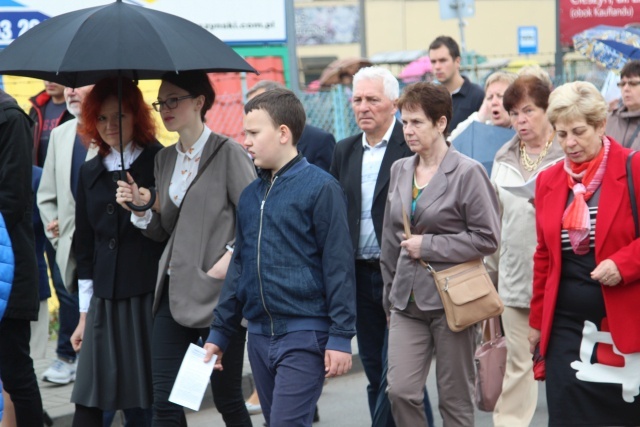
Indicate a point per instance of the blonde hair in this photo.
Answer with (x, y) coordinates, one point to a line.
(500, 76)
(575, 101)
(536, 71)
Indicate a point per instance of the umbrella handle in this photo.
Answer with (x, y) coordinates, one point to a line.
(152, 200)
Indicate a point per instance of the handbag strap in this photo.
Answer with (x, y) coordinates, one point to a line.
(629, 142)
(632, 193)
(491, 329)
(198, 175)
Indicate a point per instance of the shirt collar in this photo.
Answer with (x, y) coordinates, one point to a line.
(112, 162)
(198, 146)
(385, 138)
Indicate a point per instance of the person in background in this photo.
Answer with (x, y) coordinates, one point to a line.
(623, 123)
(117, 265)
(191, 274)
(492, 111)
(444, 53)
(526, 100)
(315, 144)
(361, 164)
(584, 317)
(48, 111)
(453, 212)
(16, 198)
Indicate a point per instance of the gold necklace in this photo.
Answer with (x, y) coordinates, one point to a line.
(526, 161)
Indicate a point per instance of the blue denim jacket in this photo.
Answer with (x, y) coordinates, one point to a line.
(292, 267)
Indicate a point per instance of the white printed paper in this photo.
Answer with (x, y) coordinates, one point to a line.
(192, 379)
(526, 190)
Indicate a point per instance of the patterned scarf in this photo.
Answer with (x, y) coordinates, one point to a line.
(584, 179)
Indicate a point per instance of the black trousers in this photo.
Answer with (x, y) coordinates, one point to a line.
(16, 371)
(169, 343)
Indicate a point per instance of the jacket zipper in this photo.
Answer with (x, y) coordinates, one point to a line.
(264, 305)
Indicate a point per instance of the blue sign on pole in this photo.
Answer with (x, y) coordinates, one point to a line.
(527, 40)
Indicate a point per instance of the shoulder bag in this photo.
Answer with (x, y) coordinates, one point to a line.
(491, 362)
(468, 294)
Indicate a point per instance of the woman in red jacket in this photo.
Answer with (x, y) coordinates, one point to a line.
(586, 283)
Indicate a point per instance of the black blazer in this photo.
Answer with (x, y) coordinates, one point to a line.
(109, 249)
(346, 167)
(317, 146)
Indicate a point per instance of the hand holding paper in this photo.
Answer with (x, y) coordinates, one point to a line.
(192, 379)
(214, 351)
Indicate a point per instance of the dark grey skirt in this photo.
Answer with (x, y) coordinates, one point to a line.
(114, 366)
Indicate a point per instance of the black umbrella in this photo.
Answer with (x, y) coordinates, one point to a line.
(81, 47)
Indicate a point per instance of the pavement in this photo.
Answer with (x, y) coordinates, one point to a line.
(343, 402)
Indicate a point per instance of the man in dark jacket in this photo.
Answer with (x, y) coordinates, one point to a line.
(16, 199)
(467, 97)
(48, 110)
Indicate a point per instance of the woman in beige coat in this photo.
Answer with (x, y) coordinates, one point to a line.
(200, 227)
(454, 219)
(530, 151)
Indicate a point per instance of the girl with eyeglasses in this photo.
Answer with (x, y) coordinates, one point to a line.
(199, 181)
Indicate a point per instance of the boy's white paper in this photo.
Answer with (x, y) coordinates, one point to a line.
(192, 379)
(526, 190)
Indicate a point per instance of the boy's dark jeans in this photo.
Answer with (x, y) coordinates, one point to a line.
(289, 374)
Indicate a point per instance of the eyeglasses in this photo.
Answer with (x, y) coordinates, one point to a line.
(170, 103)
(632, 83)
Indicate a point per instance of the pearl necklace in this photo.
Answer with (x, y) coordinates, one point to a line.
(526, 161)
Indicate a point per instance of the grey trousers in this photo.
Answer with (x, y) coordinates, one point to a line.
(414, 337)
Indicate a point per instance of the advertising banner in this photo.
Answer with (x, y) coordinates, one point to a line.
(234, 22)
(578, 15)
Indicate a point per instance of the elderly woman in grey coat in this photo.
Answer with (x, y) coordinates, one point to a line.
(454, 219)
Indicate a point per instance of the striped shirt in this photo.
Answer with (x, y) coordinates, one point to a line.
(368, 246)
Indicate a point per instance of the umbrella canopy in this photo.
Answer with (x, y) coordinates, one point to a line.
(331, 74)
(481, 142)
(84, 46)
(602, 44)
(416, 70)
(627, 52)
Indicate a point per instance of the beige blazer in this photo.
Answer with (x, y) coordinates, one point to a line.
(457, 215)
(206, 225)
(55, 199)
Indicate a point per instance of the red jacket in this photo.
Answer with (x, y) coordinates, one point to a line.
(614, 238)
(37, 105)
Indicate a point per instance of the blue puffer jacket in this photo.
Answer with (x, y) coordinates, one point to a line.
(6, 278)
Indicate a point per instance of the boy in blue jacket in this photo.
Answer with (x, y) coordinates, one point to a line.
(291, 275)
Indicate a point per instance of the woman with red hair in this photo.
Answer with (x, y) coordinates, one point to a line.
(117, 265)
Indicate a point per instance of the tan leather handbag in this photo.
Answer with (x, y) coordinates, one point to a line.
(468, 294)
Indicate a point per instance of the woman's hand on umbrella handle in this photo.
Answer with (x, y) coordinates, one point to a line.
(534, 339)
(129, 194)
